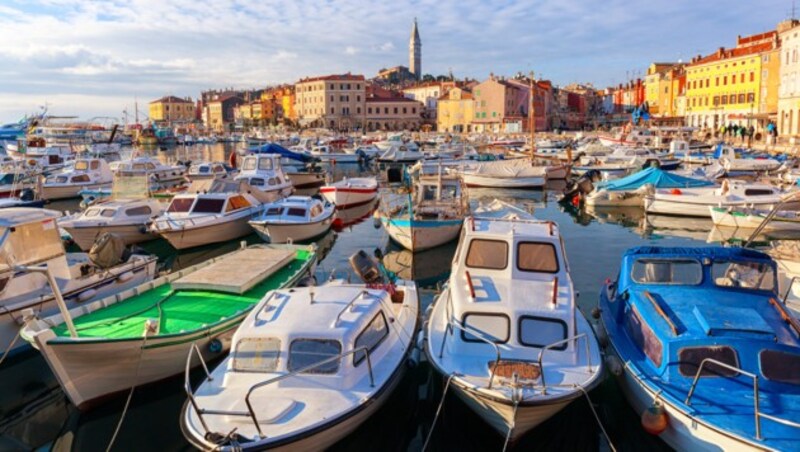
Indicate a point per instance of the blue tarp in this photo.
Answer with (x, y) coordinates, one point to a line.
(658, 177)
(272, 148)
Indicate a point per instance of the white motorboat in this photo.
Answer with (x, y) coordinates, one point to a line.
(430, 216)
(293, 219)
(395, 140)
(85, 174)
(694, 202)
(733, 162)
(630, 191)
(623, 137)
(31, 250)
(151, 167)
(516, 173)
(787, 257)
(142, 335)
(264, 172)
(216, 215)
(327, 153)
(209, 170)
(370, 151)
(129, 219)
(401, 154)
(506, 332)
(307, 367)
(351, 191)
(748, 218)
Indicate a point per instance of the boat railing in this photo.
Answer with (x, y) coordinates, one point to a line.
(168, 223)
(559, 343)
(756, 411)
(250, 412)
(789, 288)
(455, 325)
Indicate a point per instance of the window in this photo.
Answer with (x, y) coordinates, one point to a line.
(493, 327)
(537, 257)
(274, 211)
(642, 335)
(95, 165)
(369, 110)
(237, 202)
(733, 79)
(725, 80)
(716, 83)
(743, 274)
(741, 78)
(716, 100)
(542, 331)
(137, 211)
(780, 366)
(257, 354)
(358, 110)
(751, 97)
(81, 165)
(404, 110)
(395, 110)
(488, 254)
(296, 212)
(667, 271)
(332, 98)
(331, 110)
(752, 76)
(741, 98)
(80, 178)
(690, 358)
(724, 100)
(386, 110)
(358, 98)
(208, 205)
(92, 213)
(180, 205)
(108, 213)
(308, 352)
(732, 99)
(371, 337)
(256, 181)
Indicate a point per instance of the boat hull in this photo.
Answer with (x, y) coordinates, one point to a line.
(207, 234)
(674, 205)
(132, 234)
(304, 181)
(614, 199)
(418, 235)
(472, 180)
(345, 198)
(749, 221)
(54, 192)
(294, 232)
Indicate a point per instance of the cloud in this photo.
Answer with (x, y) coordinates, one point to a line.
(82, 57)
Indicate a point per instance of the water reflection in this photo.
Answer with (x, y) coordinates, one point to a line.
(427, 268)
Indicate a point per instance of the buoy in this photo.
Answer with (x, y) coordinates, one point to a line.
(596, 312)
(614, 365)
(413, 358)
(676, 191)
(655, 419)
(87, 295)
(215, 346)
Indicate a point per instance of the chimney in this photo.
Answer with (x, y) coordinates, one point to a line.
(721, 52)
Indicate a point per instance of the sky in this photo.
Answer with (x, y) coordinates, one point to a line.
(97, 58)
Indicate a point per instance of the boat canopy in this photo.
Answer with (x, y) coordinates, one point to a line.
(711, 252)
(273, 148)
(655, 176)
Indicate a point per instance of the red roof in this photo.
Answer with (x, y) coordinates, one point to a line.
(171, 100)
(723, 54)
(345, 77)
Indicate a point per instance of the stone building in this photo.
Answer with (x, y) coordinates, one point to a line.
(333, 101)
(172, 109)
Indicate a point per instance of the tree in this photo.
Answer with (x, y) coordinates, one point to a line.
(428, 78)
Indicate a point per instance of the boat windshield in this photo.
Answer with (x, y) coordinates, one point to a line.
(743, 274)
(257, 354)
(180, 205)
(208, 205)
(310, 352)
(780, 366)
(667, 271)
(7, 179)
(265, 164)
(30, 243)
(488, 254)
(81, 165)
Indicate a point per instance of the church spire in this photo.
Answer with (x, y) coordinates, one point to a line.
(415, 52)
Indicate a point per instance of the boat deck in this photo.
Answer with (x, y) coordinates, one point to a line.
(178, 311)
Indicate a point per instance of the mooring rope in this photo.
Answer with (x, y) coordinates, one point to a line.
(597, 418)
(10, 346)
(438, 412)
(130, 396)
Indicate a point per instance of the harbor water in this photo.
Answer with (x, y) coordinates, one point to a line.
(36, 415)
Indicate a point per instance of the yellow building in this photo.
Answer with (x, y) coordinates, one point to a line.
(732, 86)
(454, 111)
(172, 109)
(658, 88)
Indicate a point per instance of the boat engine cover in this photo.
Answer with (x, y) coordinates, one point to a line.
(107, 251)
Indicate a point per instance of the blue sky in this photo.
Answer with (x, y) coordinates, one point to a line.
(94, 58)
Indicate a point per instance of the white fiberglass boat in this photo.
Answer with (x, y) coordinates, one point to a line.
(506, 331)
(85, 174)
(327, 153)
(351, 191)
(30, 248)
(264, 172)
(517, 173)
(694, 202)
(307, 367)
(129, 219)
(293, 219)
(151, 167)
(401, 154)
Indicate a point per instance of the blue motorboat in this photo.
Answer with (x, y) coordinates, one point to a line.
(704, 348)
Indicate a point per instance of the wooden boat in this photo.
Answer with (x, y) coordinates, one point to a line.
(309, 365)
(293, 219)
(430, 216)
(129, 219)
(143, 334)
(702, 347)
(351, 191)
(506, 332)
(29, 238)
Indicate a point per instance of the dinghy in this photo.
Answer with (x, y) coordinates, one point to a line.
(143, 334)
(506, 332)
(308, 366)
(293, 219)
(703, 348)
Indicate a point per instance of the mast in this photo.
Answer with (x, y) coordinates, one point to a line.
(531, 114)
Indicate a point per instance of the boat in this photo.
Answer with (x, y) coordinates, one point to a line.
(694, 202)
(627, 136)
(216, 213)
(631, 190)
(731, 159)
(506, 332)
(293, 219)
(348, 217)
(151, 167)
(143, 334)
(399, 154)
(128, 219)
(516, 173)
(327, 153)
(300, 167)
(429, 216)
(309, 365)
(748, 218)
(786, 254)
(33, 254)
(350, 191)
(209, 170)
(703, 348)
(85, 174)
(264, 172)
(395, 140)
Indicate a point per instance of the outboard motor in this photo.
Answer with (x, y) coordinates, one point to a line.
(581, 187)
(27, 194)
(366, 268)
(108, 250)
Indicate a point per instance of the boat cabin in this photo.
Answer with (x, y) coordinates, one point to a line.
(212, 203)
(263, 171)
(29, 236)
(83, 171)
(510, 283)
(440, 196)
(208, 169)
(122, 211)
(295, 209)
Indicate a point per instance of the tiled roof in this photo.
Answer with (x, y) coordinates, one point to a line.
(724, 54)
(171, 100)
(343, 77)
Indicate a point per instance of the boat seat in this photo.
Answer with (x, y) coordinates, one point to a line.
(238, 272)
